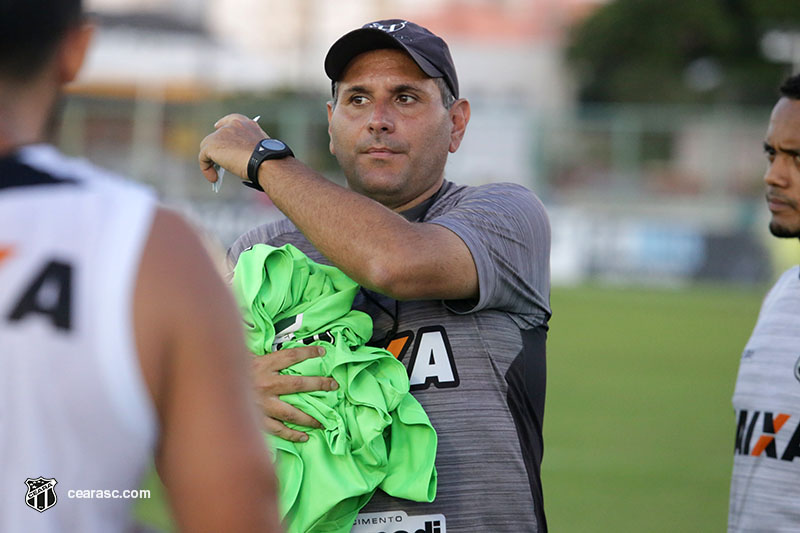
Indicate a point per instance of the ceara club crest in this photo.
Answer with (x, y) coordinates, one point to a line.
(41, 494)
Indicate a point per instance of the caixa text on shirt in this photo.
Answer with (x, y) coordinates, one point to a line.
(757, 435)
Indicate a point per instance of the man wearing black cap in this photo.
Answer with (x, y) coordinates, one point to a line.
(455, 278)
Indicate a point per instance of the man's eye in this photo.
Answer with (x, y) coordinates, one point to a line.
(358, 99)
(405, 98)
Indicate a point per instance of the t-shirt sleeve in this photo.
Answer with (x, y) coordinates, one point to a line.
(263, 234)
(242, 243)
(506, 228)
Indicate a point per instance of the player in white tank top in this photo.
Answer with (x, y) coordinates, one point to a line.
(74, 405)
(118, 340)
(765, 485)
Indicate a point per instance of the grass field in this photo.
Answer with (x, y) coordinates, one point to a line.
(639, 426)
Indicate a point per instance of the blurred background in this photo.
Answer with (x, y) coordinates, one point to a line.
(639, 123)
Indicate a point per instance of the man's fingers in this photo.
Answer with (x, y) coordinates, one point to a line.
(227, 119)
(266, 377)
(247, 130)
(270, 384)
(276, 412)
(289, 384)
(206, 164)
(284, 412)
(210, 173)
(229, 146)
(283, 359)
(277, 428)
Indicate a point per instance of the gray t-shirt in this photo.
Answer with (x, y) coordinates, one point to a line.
(477, 367)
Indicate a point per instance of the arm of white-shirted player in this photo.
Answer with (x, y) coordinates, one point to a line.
(211, 455)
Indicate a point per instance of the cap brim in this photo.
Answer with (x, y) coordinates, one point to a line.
(363, 40)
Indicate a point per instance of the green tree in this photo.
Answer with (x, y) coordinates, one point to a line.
(681, 50)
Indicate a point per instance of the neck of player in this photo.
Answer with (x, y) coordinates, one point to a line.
(24, 112)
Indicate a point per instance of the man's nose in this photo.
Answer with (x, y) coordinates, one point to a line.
(777, 174)
(381, 120)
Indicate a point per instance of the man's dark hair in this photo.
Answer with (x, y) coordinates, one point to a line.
(30, 31)
(791, 87)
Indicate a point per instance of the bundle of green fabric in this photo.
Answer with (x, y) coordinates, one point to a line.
(374, 434)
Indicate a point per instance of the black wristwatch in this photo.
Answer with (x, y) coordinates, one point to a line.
(264, 150)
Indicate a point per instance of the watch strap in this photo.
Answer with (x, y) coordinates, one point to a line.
(261, 154)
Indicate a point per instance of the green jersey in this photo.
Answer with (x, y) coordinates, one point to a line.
(374, 434)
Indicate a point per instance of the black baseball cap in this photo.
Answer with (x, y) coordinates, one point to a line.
(428, 51)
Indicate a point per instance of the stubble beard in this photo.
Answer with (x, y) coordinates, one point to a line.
(782, 232)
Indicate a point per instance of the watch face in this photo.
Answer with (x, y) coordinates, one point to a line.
(273, 144)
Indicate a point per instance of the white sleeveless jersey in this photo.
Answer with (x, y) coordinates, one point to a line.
(75, 413)
(765, 486)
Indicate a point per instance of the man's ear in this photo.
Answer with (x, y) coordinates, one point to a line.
(330, 137)
(73, 51)
(459, 116)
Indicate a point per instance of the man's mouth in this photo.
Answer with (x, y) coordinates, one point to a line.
(380, 152)
(777, 202)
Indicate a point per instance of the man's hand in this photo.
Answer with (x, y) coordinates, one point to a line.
(270, 384)
(230, 146)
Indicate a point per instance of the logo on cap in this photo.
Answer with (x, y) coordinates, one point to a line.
(391, 28)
